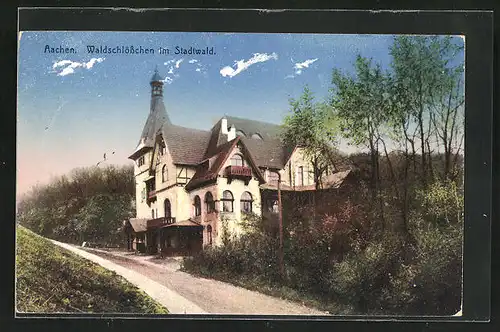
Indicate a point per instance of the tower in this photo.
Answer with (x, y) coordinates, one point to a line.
(156, 85)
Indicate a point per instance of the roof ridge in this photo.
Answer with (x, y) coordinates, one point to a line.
(189, 128)
(247, 119)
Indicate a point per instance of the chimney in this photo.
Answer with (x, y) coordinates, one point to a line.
(231, 134)
(223, 125)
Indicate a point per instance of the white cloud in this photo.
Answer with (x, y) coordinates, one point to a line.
(198, 69)
(242, 65)
(193, 61)
(70, 66)
(178, 63)
(168, 80)
(171, 70)
(301, 65)
(92, 61)
(61, 63)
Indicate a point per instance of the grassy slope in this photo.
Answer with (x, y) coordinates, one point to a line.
(51, 279)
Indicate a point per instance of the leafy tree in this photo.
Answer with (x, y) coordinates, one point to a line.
(87, 205)
(311, 126)
(360, 104)
(425, 82)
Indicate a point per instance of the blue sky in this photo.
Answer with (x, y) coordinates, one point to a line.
(72, 108)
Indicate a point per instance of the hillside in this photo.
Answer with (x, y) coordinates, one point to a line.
(51, 279)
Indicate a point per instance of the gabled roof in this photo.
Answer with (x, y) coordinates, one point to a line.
(187, 146)
(267, 131)
(269, 152)
(217, 160)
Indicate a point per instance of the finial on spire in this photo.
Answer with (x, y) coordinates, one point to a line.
(156, 76)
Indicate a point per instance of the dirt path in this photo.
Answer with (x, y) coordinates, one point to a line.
(211, 295)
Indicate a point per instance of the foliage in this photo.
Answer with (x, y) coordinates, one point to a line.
(51, 279)
(88, 205)
(312, 126)
(442, 202)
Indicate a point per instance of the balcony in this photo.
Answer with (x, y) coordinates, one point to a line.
(238, 172)
(151, 196)
(158, 222)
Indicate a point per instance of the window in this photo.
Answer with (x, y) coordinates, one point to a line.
(246, 202)
(273, 177)
(162, 149)
(237, 160)
(209, 234)
(300, 176)
(209, 201)
(164, 173)
(272, 206)
(227, 201)
(140, 161)
(197, 205)
(256, 136)
(152, 213)
(167, 207)
(143, 195)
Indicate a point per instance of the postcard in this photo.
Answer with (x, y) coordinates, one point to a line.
(220, 173)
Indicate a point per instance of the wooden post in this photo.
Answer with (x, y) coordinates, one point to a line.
(280, 214)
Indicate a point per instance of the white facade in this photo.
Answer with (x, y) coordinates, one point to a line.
(170, 183)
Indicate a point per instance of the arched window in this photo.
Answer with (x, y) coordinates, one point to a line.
(168, 208)
(209, 234)
(227, 201)
(256, 136)
(246, 202)
(237, 160)
(209, 201)
(197, 205)
(164, 173)
(240, 133)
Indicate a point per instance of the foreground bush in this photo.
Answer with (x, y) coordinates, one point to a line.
(51, 279)
(351, 269)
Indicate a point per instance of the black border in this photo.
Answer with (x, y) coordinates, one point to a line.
(475, 25)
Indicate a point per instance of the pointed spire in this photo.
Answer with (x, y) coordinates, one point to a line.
(156, 76)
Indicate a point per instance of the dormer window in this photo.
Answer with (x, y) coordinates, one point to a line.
(140, 161)
(256, 136)
(240, 133)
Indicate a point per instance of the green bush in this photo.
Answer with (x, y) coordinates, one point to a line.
(342, 260)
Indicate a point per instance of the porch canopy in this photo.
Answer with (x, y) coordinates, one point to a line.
(139, 224)
(184, 223)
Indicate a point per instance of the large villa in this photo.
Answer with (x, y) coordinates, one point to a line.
(191, 184)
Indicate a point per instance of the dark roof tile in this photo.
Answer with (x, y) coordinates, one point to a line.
(187, 146)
